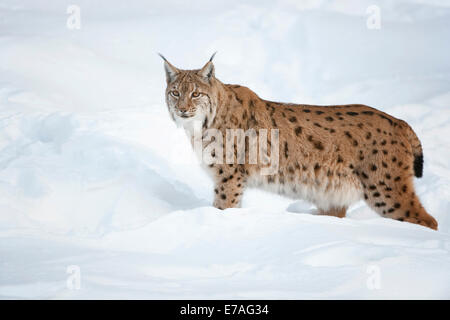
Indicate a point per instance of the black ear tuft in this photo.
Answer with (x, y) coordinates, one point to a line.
(212, 57)
(207, 71)
(159, 54)
(171, 71)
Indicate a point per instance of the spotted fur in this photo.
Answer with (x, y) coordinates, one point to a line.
(331, 156)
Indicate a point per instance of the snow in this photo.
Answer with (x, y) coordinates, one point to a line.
(94, 174)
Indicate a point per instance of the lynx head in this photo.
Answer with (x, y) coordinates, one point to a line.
(191, 94)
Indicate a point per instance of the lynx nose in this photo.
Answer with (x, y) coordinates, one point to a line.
(183, 109)
(183, 112)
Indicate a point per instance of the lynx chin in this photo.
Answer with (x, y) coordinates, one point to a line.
(332, 156)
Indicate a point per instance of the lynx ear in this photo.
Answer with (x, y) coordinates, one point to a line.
(171, 71)
(207, 71)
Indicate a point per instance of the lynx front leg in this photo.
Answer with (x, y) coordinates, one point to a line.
(230, 184)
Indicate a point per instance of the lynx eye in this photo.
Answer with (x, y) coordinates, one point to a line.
(175, 93)
(196, 94)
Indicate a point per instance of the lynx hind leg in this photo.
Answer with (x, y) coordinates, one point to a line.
(394, 198)
(336, 212)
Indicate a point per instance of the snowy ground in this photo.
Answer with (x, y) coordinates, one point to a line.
(93, 173)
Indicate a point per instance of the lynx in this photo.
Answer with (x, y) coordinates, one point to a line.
(332, 156)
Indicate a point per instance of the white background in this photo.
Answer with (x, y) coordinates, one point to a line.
(94, 174)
